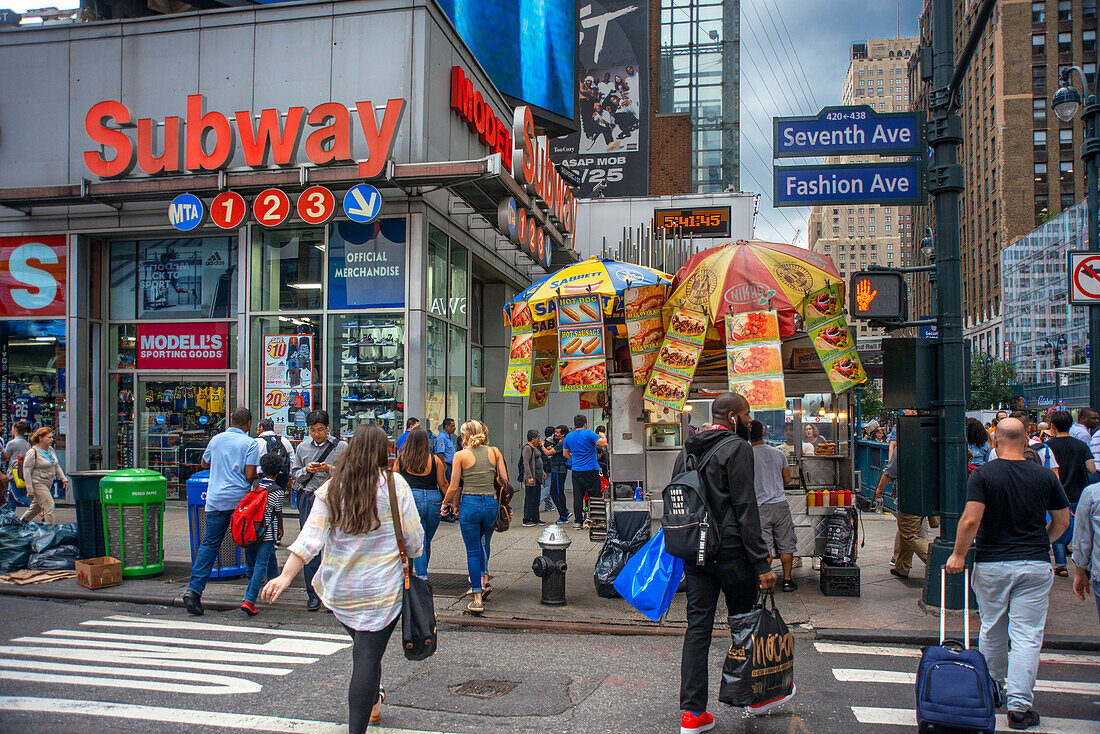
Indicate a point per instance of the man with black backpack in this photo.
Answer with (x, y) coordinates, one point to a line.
(314, 459)
(738, 566)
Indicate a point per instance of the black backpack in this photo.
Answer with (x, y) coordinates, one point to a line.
(275, 446)
(687, 519)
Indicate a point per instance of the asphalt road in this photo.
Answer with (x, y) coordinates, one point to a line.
(93, 667)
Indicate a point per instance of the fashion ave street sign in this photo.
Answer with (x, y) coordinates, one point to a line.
(868, 183)
(204, 140)
(847, 131)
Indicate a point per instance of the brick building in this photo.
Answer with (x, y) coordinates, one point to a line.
(1021, 163)
(858, 235)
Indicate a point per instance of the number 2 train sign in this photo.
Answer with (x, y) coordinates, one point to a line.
(270, 208)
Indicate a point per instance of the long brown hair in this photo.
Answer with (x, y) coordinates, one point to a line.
(415, 455)
(353, 489)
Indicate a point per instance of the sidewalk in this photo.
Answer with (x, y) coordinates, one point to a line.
(887, 605)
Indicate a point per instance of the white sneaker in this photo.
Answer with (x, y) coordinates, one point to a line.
(767, 706)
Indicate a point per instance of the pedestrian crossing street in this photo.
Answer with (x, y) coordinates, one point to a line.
(1068, 683)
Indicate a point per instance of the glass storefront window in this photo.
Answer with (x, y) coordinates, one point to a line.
(437, 272)
(456, 374)
(287, 269)
(477, 359)
(171, 279)
(32, 383)
(121, 437)
(477, 405)
(435, 374)
(366, 372)
(285, 374)
(366, 264)
(459, 276)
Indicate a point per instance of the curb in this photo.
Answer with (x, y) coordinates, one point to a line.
(922, 638)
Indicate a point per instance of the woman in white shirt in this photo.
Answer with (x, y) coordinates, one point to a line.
(361, 578)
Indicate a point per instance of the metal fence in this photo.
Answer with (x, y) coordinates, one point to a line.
(870, 459)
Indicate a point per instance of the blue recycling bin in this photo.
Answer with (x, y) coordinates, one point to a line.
(230, 562)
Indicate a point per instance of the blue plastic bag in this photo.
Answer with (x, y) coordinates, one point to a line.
(650, 578)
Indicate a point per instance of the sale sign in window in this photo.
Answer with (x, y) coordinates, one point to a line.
(287, 380)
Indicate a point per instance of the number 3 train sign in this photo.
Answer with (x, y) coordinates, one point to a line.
(270, 208)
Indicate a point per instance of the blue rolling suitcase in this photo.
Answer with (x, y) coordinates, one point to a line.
(955, 692)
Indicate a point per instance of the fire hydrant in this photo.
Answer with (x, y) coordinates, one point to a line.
(551, 566)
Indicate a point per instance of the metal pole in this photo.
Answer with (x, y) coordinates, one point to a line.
(945, 182)
(1090, 150)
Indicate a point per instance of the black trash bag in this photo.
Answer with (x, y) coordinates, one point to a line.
(60, 558)
(760, 664)
(626, 533)
(15, 545)
(48, 536)
(840, 538)
(8, 517)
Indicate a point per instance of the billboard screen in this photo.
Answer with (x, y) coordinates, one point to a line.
(611, 151)
(526, 47)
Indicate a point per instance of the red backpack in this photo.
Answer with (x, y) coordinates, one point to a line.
(247, 524)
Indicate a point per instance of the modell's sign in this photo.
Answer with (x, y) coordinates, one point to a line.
(524, 154)
(205, 140)
(179, 346)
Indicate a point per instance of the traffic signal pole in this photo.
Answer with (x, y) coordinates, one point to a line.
(945, 182)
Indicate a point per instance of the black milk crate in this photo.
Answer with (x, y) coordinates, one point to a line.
(839, 580)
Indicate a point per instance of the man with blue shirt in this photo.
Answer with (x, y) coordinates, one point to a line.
(231, 457)
(410, 424)
(579, 447)
(445, 445)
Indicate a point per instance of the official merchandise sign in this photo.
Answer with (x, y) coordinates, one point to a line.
(183, 346)
(366, 264)
(1084, 278)
(271, 207)
(32, 276)
(848, 131)
(228, 210)
(287, 379)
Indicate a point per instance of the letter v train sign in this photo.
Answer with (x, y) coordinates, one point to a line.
(857, 130)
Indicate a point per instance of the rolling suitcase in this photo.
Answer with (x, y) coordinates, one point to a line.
(955, 692)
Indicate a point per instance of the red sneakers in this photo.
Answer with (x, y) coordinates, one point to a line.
(249, 608)
(763, 708)
(692, 724)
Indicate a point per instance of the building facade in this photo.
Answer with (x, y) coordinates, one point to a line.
(858, 236)
(1047, 339)
(1020, 162)
(183, 230)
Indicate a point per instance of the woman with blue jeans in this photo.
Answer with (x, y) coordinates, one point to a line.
(472, 496)
(426, 475)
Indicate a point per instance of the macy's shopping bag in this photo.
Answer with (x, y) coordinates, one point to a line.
(760, 664)
(650, 578)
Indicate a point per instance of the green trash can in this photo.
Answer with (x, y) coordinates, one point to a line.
(133, 519)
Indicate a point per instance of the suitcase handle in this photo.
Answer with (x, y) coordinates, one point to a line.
(966, 606)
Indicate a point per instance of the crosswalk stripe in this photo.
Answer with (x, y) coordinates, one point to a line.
(294, 646)
(905, 652)
(908, 717)
(121, 620)
(222, 686)
(129, 657)
(211, 719)
(862, 675)
(192, 653)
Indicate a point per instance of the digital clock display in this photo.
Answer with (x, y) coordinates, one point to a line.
(703, 222)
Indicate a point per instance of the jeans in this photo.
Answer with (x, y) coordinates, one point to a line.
(17, 497)
(544, 497)
(531, 501)
(261, 567)
(1096, 593)
(477, 514)
(305, 505)
(217, 523)
(909, 533)
(734, 577)
(1012, 603)
(1060, 546)
(557, 495)
(366, 673)
(584, 482)
(428, 503)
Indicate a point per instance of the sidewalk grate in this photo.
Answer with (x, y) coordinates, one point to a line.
(481, 688)
(449, 584)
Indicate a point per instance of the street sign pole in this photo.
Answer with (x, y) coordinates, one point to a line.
(945, 182)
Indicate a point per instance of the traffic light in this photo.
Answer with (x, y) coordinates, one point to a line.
(878, 294)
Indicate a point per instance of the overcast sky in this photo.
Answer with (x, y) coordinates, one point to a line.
(794, 55)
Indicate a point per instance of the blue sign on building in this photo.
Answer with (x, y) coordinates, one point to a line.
(848, 131)
(185, 212)
(866, 183)
(930, 330)
(363, 203)
(366, 264)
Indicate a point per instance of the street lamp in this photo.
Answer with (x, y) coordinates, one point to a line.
(1066, 102)
(1056, 347)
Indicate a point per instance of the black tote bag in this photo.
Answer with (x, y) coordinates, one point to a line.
(418, 633)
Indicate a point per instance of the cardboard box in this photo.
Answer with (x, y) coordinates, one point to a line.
(805, 359)
(97, 573)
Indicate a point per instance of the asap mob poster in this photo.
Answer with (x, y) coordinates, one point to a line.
(612, 108)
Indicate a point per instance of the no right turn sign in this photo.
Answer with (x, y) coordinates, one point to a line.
(1084, 278)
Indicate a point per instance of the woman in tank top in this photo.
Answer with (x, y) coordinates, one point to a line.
(425, 474)
(472, 496)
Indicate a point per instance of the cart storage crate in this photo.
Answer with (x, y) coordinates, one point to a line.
(839, 580)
